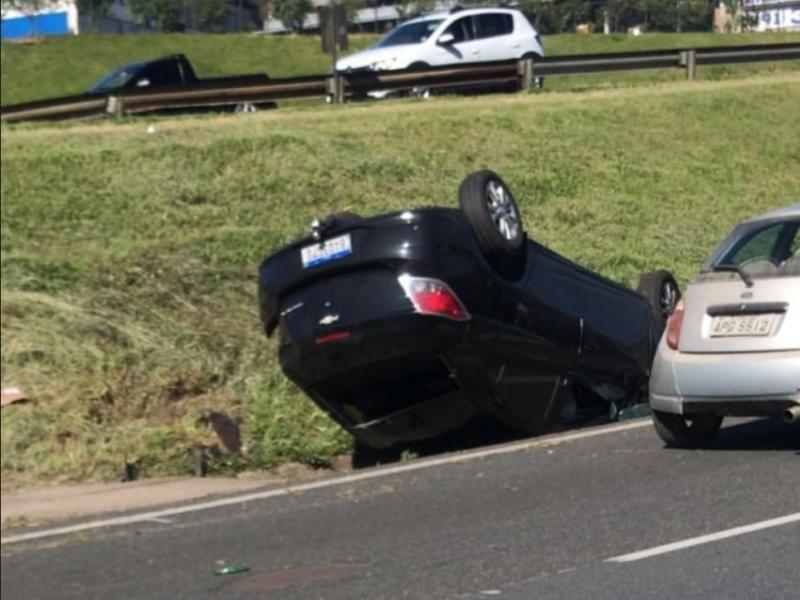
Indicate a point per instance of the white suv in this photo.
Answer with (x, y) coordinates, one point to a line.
(458, 36)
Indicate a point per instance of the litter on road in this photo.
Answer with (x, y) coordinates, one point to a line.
(233, 569)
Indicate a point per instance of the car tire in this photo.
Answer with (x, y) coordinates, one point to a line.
(245, 107)
(419, 91)
(679, 431)
(662, 293)
(496, 221)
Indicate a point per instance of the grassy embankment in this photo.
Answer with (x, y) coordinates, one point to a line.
(62, 66)
(129, 259)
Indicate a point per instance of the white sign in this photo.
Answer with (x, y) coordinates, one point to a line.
(778, 19)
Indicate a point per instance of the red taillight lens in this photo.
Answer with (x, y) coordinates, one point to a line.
(332, 337)
(433, 297)
(674, 324)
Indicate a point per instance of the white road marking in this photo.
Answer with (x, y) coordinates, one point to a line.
(417, 465)
(706, 539)
(160, 520)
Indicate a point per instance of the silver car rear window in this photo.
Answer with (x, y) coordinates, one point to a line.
(761, 249)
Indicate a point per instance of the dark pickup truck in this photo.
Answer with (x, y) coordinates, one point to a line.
(167, 71)
(172, 71)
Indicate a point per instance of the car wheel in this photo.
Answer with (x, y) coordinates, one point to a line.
(419, 91)
(245, 107)
(679, 431)
(662, 293)
(492, 212)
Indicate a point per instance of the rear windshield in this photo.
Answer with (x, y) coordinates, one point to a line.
(410, 33)
(765, 249)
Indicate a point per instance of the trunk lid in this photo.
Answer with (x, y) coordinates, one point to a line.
(351, 272)
(724, 315)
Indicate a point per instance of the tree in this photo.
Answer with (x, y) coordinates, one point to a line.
(210, 15)
(409, 8)
(552, 17)
(265, 10)
(164, 14)
(94, 8)
(292, 13)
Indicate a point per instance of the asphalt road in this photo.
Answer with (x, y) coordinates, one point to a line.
(540, 523)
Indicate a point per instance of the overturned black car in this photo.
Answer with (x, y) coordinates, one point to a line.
(405, 325)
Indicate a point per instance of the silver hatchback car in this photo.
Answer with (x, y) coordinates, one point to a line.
(732, 345)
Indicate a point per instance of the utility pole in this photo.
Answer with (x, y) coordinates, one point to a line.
(193, 21)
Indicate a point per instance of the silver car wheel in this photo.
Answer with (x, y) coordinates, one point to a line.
(502, 211)
(420, 92)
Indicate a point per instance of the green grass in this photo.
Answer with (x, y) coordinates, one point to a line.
(61, 66)
(129, 259)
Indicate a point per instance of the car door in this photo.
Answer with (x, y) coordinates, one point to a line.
(463, 49)
(494, 33)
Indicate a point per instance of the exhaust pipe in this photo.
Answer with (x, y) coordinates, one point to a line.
(792, 415)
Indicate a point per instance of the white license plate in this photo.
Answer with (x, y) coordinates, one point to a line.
(326, 251)
(742, 325)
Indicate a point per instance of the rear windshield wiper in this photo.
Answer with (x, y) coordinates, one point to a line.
(748, 281)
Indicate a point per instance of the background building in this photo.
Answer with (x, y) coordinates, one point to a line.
(59, 17)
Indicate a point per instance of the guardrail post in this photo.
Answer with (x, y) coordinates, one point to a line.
(336, 88)
(525, 69)
(114, 106)
(688, 60)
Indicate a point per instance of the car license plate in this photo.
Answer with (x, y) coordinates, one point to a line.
(742, 325)
(326, 251)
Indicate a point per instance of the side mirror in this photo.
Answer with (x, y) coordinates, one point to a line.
(143, 82)
(446, 39)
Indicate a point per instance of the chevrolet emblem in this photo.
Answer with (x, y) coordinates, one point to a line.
(329, 319)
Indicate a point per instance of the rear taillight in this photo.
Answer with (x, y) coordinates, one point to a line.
(332, 337)
(433, 297)
(674, 324)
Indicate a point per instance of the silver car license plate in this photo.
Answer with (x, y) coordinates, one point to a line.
(326, 251)
(742, 325)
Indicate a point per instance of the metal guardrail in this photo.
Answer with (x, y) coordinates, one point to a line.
(342, 86)
(71, 107)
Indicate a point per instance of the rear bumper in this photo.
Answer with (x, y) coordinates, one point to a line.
(765, 406)
(735, 384)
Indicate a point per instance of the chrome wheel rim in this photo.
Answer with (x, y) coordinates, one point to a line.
(502, 210)
(669, 298)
